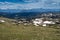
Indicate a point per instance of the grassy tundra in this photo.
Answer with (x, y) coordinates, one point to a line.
(9, 31)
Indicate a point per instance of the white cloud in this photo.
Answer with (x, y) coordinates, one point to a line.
(10, 5)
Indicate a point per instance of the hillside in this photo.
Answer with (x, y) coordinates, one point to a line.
(9, 31)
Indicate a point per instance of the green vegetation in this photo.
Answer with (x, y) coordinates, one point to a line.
(9, 31)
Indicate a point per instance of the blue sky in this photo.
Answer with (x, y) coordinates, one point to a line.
(11, 0)
(29, 4)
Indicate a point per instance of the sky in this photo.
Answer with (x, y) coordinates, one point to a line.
(29, 4)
